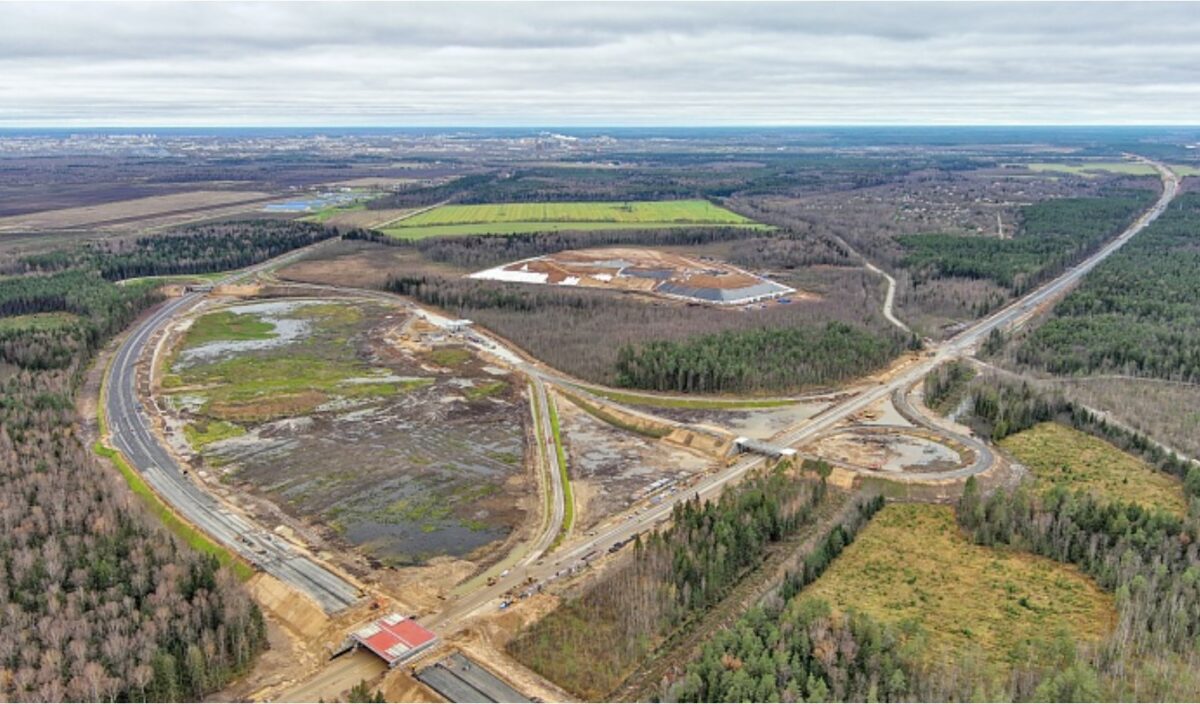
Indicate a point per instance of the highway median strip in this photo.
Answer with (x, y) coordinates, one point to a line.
(568, 497)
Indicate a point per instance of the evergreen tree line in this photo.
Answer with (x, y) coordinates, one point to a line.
(1138, 313)
(780, 249)
(98, 601)
(1053, 234)
(944, 386)
(756, 360)
(1148, 557)
(194, 249)
(591, 642)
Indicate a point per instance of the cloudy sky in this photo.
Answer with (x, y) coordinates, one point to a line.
(165, 64)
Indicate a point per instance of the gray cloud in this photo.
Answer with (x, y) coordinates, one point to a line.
(615, 63)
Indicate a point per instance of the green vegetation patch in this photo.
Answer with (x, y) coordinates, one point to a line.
(656, 401)
(449, 356)
(650, 431)
(227, 326)
(485, 390)
(37, 322)
(913, 566)
(203, 433)
(568, 495)
(1060, 456)
(513, 218)
(259, 388)
(1096, 168)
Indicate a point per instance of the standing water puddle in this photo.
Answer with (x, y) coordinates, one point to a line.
(287, 330)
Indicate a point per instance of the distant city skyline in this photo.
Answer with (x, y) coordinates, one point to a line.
(566, 64)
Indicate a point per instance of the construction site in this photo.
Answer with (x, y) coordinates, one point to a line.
(648, 271)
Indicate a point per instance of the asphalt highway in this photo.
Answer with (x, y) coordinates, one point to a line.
(131, 434)
(1013, 315)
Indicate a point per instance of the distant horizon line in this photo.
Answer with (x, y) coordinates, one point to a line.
(747, 125)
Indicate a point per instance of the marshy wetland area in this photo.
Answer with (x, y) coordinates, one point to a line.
(342, 432)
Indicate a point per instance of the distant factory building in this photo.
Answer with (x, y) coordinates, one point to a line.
(394, 638)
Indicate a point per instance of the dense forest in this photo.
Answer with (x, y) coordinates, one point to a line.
(799, 652)
(194, 249)
(592, 641)
(1052, 235)
(565, 326)
(1137, 313)
(100, 602)
(755, 360)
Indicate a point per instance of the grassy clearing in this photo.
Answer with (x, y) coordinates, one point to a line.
(635, 399)
(1093, 169)
(227, 326)
(449, 356)
(178, 278)
(513, 218)
(1127, 168)
(912, 566)
(325, 214)
(183, 530)
(37, 322)
(487, 390)
(568, 496)
(205, 433)
(1062, 456)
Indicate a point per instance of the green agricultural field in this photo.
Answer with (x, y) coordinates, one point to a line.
(514, 218)
(1061, 456)
(913, 566)
(1093, 169)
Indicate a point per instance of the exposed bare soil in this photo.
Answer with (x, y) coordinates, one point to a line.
(128, 210)
(611, 469)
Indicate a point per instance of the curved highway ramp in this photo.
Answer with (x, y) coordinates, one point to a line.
(130, 434)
